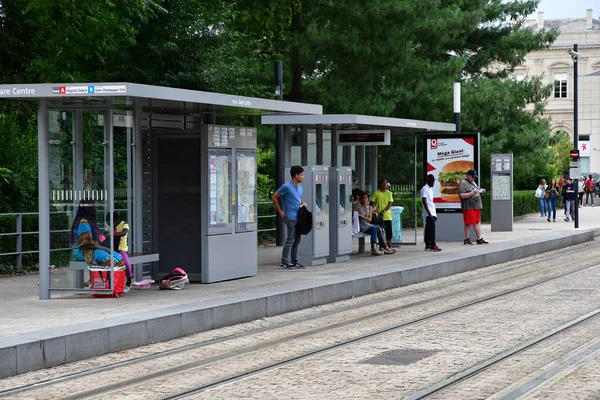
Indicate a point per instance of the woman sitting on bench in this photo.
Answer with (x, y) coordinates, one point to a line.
(85, 237)
(365, 216)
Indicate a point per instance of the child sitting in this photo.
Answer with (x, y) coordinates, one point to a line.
(120, 244)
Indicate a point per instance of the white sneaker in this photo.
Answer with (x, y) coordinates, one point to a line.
(126, 289)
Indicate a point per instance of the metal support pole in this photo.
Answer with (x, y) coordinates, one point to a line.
(19, 242)
(319, 145)
(304, 146)
(109, 128)
(279, 153)
(457, 106)
(347, 156)
(575, 56)
(334, 146)
(137, 196)
(360, 166)
(44, 200)
(374, 180)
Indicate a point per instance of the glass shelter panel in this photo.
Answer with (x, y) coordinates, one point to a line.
(79, 198)
(219, 167)
(246, 191)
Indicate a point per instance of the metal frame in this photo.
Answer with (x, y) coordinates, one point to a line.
(337, 121)
(138, 98)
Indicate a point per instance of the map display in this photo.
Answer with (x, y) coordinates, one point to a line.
(220, 187)
(246, 189)
(501, 185)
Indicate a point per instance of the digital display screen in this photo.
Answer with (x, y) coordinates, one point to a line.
(365, 137)
(362, 137)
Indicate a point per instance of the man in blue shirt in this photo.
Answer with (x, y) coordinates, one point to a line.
(291, 193)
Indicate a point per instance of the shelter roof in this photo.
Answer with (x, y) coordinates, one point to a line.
(132, 95)
(358, 120)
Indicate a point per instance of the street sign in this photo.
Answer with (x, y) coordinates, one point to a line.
(575, 173)
(576, 164)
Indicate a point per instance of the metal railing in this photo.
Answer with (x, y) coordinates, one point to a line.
(402, 188)
(19, 233)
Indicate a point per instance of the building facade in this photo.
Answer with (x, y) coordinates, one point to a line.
(555, 65)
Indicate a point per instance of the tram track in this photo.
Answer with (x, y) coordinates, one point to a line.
(473, 371)
(206, 343)
(172, 372)
(165, 373)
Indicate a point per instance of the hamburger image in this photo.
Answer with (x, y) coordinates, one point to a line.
(450, 177)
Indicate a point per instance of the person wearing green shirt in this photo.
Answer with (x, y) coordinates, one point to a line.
(382, 200)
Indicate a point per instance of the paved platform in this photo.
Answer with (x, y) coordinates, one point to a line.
(37, 334)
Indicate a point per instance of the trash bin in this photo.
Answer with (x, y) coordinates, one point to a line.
(397, 223)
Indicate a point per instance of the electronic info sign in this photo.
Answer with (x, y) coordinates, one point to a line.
(364, 138)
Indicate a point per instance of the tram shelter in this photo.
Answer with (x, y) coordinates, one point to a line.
(155, 155)
(360, 157)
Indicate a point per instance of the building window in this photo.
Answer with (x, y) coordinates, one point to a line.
(560, 86)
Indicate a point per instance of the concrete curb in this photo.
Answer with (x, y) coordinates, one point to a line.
(51, 347)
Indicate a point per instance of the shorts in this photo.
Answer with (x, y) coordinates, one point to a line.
(472, 217)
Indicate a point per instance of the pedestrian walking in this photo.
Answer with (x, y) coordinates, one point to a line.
(540, 192)
(590, 190)
(429, 214)
(570, 196)
(552, 193)
(471, 204)
(291, 193)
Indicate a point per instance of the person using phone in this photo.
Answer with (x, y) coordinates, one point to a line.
(471, 205)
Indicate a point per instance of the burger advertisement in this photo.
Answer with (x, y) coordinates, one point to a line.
(448, 159)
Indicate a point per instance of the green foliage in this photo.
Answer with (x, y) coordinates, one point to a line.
(18, 157)
(560, 147)
(496, 109)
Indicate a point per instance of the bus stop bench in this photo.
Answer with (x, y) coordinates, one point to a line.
(136, 258)
(361, 240)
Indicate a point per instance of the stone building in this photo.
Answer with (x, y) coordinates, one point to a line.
(556, 65)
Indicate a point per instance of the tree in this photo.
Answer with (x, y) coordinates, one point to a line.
(560, 148)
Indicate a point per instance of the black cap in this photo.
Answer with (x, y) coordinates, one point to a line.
(472, 172)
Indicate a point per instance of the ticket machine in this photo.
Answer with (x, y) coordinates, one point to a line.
(340, 217)
(314, 247)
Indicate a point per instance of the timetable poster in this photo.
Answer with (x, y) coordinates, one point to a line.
(448, 158)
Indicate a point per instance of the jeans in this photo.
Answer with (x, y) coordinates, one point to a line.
(590, 195)
(430, 231)
(551, 206)
(291, 243)
(377, 232)
(568, 205)
(543, 202)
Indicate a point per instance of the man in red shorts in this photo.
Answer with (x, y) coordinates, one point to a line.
(470, 202)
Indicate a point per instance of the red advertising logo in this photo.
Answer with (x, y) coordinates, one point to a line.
(433, 144)
(62, 90)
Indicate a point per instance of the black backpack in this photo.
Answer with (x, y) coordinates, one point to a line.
(305, 221)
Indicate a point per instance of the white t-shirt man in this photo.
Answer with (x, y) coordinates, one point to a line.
(427, 193)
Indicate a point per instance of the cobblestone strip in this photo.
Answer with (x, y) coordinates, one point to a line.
(253, 360)
(458, 341)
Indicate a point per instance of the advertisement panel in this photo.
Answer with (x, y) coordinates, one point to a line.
(448, 158)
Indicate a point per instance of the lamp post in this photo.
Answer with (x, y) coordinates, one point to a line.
(279, 149)
(575, 56)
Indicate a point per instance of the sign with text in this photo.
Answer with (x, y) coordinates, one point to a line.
(364, 138)
(448, 158)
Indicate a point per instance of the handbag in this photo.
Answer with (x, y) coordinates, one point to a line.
(539, 192)
(547, 195)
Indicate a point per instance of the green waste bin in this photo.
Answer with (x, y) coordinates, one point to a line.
(397, 223)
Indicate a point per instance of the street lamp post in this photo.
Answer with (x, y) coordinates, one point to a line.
(575, 56)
